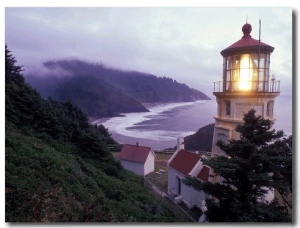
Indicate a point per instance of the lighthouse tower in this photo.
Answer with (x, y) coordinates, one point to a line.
(246, 85)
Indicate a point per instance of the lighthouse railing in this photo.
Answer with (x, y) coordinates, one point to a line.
(271, 86)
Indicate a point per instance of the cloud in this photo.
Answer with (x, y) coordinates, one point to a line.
(179, 42)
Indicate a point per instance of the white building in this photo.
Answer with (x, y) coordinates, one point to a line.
(183, 164)
(137, 159)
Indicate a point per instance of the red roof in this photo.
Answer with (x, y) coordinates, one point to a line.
(134, 153)
(247, 42)
(204, 173)
(184, 161)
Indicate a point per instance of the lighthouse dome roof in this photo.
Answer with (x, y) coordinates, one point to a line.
(247, 44)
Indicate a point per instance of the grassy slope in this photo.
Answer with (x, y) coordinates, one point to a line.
(45, 181)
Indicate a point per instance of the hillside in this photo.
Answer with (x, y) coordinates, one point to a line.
(94, 87)
(201, 140)
(59, 168)
(96, 98)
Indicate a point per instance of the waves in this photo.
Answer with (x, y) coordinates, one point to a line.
(153, 125)
(165, 123)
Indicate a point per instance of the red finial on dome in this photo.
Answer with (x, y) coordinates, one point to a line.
(247, 28)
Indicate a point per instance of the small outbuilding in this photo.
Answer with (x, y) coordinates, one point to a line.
(137, 159)
(182, 164)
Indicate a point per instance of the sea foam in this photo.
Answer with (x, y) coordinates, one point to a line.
(131, 124)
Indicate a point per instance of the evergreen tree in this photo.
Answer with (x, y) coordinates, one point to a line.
(260, 161)
(12, 71)
(63, 121)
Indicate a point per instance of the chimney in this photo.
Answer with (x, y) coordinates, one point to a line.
(137, 143)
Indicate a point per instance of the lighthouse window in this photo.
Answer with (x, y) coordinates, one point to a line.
(246, 72)
(270, 105)
(227, 108)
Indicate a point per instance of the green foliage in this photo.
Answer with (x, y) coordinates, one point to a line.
(259, 161)
(60, 120)
(12, 71)
(58, 167)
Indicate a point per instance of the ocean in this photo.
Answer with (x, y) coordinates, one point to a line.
(165, 123)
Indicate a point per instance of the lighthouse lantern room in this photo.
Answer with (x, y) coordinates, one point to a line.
(246, 85)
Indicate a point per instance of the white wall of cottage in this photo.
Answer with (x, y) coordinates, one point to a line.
(190, 196)
(140, 168)
(149, 164)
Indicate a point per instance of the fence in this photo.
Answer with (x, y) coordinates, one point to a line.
(179, 211)
(171, 151)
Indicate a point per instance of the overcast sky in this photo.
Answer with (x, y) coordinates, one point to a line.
(178, 42)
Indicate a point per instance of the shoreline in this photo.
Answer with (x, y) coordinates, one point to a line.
(154, 144)
(137, 127)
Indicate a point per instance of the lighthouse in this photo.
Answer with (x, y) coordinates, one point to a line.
(246, 84)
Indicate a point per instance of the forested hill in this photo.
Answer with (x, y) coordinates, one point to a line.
(201, 140)
(102, 91)
(59, 168)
